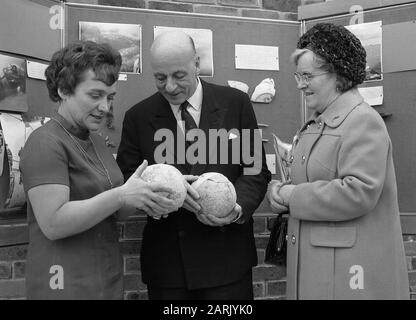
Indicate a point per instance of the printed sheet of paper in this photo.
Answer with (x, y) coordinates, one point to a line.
(36, 70)
(372, 95)
(256, 57)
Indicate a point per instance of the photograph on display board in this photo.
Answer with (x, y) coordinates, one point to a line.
(126, 38)
(203, 45)
(370, 36)
(13, 84)
(16, 131)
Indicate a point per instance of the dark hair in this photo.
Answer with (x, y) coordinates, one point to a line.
(340, 49)
(68, 65)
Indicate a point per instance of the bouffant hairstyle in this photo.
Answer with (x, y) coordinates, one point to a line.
(68, 66)
(338, 50)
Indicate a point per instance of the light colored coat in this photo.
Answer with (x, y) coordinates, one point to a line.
(344, 234)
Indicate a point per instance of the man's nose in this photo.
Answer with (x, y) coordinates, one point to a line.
(170, 85)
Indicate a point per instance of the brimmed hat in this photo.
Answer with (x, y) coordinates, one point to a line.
(338, 46)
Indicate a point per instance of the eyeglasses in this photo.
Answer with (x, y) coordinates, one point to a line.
(306, 77)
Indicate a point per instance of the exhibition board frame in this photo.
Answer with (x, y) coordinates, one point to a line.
(281, 116)
(399, 95)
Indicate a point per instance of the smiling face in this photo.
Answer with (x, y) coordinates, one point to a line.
(175, 66)
(321, 89)
(87, 106)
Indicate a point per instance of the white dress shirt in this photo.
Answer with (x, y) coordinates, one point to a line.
(194, 108)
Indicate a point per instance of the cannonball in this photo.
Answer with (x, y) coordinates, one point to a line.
(217, 194)
(169, 176)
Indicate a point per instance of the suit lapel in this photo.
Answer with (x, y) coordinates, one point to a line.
(212, 117)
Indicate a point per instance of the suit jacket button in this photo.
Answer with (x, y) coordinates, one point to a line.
(293, 239)
(303, 158)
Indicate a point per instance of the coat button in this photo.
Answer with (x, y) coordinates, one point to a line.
(303, 159)
(319, 124)
(291, 158)
(293, 239)
(181, 234)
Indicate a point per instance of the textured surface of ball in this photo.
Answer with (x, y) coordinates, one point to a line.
(217, 194)
(169, 176)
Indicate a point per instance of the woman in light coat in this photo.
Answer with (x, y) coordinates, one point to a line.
(344, 233)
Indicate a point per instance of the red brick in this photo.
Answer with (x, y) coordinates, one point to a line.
(120, 230)
(276, 288)
(259, 225)
(282, 5)
(130, 247)
(261, 241)
(224, 11)
(5, 270)
(198, 1)
(267, 14)
(258, 289)
(412, 278)
(409, 262)
(12, 234)
(133, 282)
(135, 295)
(262, 14)
(123, 3)
(261, 273)
(12, 288)
(409, 237)
(240, 3)
(306, 2)
(170, 6)
(19, 269)
(132, 264)
(133, 230)
(260, 255)
(410, 248)
(13, 253)
(131, 295)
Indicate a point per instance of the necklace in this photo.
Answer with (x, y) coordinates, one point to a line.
(87, 156)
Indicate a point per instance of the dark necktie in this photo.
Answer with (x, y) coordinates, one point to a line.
(189, 125)
(188, 119)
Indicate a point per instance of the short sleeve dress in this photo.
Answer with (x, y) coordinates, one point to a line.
(87, 265)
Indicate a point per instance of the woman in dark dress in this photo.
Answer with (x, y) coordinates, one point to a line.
(74, 186)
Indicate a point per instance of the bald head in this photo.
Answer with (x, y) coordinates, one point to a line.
(172, 44)
(175, 65)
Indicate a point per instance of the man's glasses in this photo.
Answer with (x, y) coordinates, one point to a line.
(306, 77)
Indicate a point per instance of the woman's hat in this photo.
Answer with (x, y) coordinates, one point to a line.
(338, 46)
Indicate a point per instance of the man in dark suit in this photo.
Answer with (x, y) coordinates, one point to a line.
(189, 255)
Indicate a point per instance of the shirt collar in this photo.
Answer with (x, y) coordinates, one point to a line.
(336, 113)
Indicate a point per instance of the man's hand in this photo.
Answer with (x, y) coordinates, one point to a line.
(213, 221)
(191, 195)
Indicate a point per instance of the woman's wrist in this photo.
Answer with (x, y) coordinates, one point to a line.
(281, 194)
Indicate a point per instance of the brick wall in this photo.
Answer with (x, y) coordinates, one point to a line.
(268, 280)
(268, 9)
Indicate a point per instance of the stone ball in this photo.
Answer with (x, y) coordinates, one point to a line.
(169, 176)
(217, 194)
